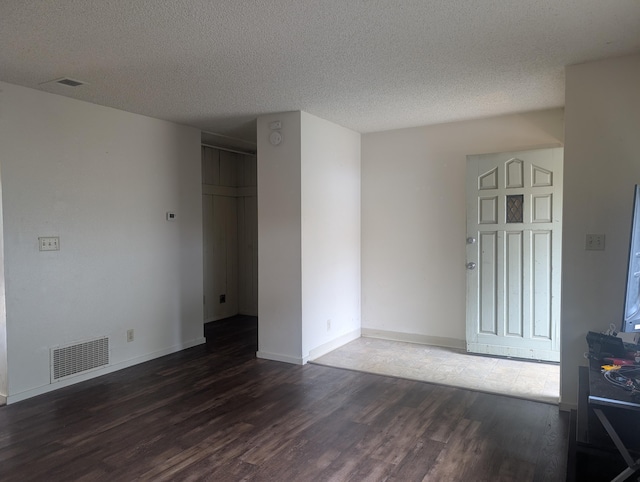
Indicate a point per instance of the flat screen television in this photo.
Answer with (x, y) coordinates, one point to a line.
(631, 317)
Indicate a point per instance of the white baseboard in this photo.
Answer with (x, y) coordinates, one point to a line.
(314, 353)
(333, 344)
(3, 400)
(567, 407)
(106, 370)
(224, 317)
(248, 313)
(281, 358)
(414, 338)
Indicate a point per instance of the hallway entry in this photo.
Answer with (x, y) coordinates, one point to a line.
(230, 238)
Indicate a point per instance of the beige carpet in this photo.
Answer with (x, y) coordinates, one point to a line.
(447, 366)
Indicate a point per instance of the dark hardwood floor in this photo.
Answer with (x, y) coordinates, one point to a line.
(214, 412)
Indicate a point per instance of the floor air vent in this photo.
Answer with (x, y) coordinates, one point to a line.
(79, 358)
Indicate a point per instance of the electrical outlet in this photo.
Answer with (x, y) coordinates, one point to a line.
(130, 335)
(595, 242)
(223, 298)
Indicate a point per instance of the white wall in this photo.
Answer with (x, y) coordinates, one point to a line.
(102, 180)
(330, 235)
(602, 164)
(414, 216)
(3, 311)
(308, 237)
(279, 241)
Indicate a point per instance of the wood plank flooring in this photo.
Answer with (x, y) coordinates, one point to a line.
(214, 412)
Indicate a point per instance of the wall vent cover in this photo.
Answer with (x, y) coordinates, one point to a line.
(70, 360)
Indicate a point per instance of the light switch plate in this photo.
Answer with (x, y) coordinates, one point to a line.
(50, 243)
(594, 242)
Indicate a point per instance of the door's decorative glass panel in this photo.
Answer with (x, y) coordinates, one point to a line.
(488, 180)
(541, 284)
(488, 286)
(515, 208)
(542, 208)
(488, 210)
(513, 283)
(515, 173)
(541, 177)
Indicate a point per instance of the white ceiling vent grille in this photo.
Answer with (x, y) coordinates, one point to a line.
(79, 358)
(66, 81)
(69, 82)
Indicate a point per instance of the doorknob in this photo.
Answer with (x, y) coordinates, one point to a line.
(471, 266)
(471, 240)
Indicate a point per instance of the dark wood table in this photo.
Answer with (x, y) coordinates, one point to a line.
(619, 413)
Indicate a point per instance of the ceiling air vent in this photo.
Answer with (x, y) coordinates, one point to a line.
(69, 82)
(66, 81)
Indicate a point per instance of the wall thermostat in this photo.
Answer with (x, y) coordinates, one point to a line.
(275, 138)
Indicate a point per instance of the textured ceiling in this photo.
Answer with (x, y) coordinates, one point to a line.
(368, 65)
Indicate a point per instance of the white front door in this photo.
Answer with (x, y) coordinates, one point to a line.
(514, 239)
